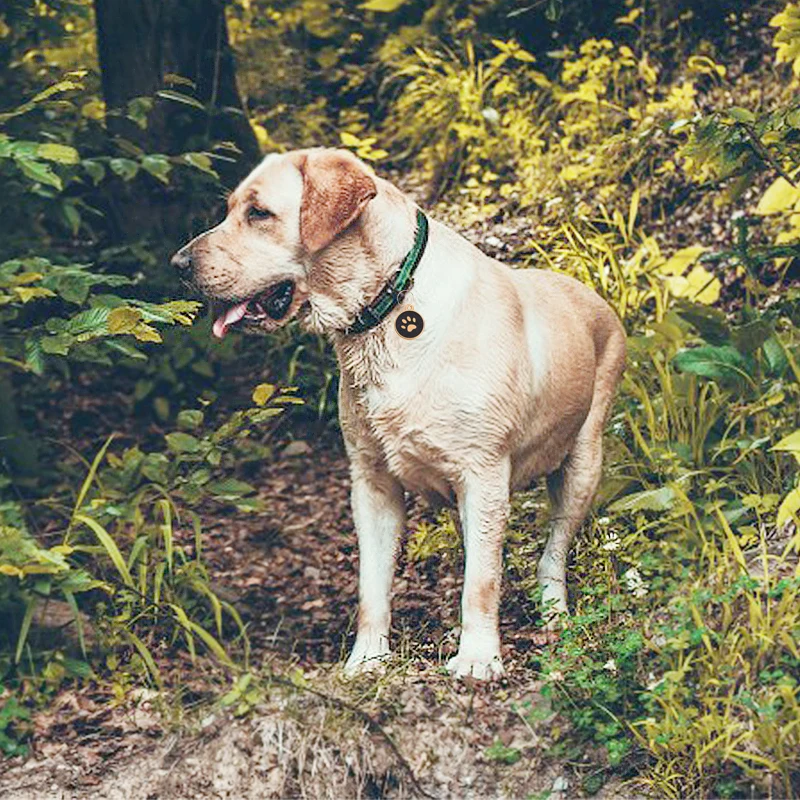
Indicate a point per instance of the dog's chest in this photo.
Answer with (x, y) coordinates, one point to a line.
(416, 431)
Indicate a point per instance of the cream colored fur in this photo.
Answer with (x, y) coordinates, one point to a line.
(511, 379)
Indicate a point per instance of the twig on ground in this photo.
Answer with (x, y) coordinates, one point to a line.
(372, 723)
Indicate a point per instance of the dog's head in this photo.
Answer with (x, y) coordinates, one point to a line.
(255, 265)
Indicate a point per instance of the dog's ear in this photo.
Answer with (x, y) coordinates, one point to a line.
(336, 187)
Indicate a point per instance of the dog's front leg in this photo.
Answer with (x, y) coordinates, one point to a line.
(379, 514)
(483, 506)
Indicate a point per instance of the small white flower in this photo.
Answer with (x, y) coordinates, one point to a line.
(653, 681)
(612, 541)
(634, 583)
(611, 666)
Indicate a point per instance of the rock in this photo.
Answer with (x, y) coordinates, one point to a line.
(559, 788)
(296, 448)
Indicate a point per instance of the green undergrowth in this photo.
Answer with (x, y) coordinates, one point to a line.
(124, 558)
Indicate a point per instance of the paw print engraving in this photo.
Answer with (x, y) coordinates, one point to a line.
(409, 324)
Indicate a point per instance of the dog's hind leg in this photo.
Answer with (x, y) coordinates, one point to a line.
(483, 507)
(573, 485)
(571, 490)
(379, 514)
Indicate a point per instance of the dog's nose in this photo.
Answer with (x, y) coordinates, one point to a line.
(182, 260)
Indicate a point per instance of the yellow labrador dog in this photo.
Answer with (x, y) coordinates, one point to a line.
(504, 375)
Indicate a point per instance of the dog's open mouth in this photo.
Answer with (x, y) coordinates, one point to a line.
(274, 304)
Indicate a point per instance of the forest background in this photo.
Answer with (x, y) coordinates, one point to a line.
(651, 150)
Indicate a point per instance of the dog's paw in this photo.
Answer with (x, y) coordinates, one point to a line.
(353, 668)
(367, 657)
(463, 665)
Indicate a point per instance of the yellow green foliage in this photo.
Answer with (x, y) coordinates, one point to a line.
(729, 693)
(515, 133)
(787, 39)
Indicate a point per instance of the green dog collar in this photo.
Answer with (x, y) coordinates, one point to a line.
(397, 287)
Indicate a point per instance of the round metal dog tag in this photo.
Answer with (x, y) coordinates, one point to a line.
(409, 324)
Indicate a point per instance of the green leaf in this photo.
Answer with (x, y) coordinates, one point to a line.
(88, 324)
(109, 545)
(741, 114)
(126, 349)
(60, 153)
(73, 607)
(57, 345)
(553, 10)
(61, 86)
(28, 293)
(41, 172)
(249, 504)
(200, 161)
(210, 642)
(95, 170)
(166, 530)
(155, 466)
(202, 367)
(79, 669)
(30, 607)
(90, 476)
(145, 655)
(158, 166)
(229, 489)
(776, 358)
(138, 110)
(124, 167)
(748, 338)
(719, 363)
(34, 355)
(190, 419)
(709, 322)
(162, 408)
(180, 442)
(171, 94)
(72, 217)
(661, 499)
(383, 6)
(73, 288)
(123, 320)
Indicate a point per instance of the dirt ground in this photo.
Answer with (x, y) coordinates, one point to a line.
(413, 731)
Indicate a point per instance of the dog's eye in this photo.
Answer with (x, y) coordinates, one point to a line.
(254, 213)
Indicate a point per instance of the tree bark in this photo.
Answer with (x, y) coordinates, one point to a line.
(142, 43)
(19, 451)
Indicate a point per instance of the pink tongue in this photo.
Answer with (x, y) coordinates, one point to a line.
(231, 316)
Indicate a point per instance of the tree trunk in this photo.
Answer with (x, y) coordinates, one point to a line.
(142, 44)
(19, 451)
